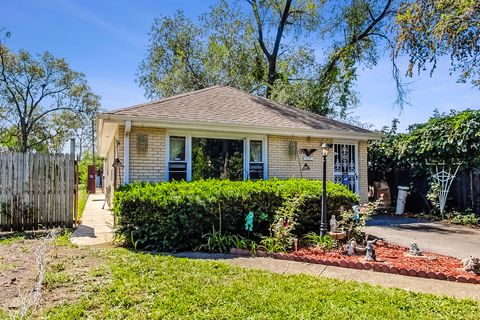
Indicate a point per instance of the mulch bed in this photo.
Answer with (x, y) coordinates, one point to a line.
(390, 259)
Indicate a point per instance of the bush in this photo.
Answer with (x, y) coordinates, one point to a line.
(175, 215)
(464, 218)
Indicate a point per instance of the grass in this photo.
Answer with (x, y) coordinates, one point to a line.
(141, 286)
(17, 237)
(82, 199)
(63, 239)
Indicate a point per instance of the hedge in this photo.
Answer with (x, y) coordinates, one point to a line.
(175, 215)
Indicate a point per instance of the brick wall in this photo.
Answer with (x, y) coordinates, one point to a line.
(147, 165)
(281, 165)
(363, 170)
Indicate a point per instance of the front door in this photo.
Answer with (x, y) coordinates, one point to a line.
(345, 165)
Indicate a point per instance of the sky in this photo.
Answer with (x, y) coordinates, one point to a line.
(107, 40)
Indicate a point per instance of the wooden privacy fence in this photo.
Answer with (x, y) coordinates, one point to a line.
(37, 191)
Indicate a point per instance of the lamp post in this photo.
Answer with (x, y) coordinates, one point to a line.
(323, 221)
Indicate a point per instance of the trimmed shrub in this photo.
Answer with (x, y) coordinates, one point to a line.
(174, 215)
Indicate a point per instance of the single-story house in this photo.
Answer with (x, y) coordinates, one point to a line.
(222, 132)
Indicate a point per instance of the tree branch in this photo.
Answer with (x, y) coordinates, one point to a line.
(261, 40)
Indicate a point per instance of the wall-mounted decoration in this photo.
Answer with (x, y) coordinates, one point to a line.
(305, 167)
(292, 149)
(308, 154)
(142, 142)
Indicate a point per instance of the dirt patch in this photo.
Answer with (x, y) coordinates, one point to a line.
(69, 271)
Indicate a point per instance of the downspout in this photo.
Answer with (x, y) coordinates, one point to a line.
(126, 152)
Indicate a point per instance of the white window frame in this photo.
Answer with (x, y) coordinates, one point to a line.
(189, 134)
(357, 161)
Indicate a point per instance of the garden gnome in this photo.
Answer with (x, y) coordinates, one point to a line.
(414, 250)
(472, 264)
(370, 251)
(351, 247)
(333, 223)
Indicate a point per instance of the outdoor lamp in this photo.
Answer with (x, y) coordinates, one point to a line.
(323, 220)
(325, 147)
(117, 164)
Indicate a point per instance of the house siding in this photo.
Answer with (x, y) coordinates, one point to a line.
(363, 170)
(281, 165)
(147, 165)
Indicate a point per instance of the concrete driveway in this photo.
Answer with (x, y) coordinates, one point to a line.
(437, 237)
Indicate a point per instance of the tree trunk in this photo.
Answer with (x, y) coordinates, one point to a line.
(272, 75)
(24, 138)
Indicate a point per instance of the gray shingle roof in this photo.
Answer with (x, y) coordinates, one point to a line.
(222, 105)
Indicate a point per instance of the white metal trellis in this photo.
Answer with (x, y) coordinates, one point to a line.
(444, 176)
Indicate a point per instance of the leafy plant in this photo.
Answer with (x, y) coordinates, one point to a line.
(432, 196)
(272, 244)
(316, 240)
(355, 226)
(217, 242)
(464, 218)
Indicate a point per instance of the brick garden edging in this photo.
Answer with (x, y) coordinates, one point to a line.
(359, 265)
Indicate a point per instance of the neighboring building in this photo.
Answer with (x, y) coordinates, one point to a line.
(222, 132)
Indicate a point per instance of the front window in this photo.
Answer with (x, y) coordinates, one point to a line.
(256, 160)
(177, 166)
(235, 158)
(177, 148)
(217, 158)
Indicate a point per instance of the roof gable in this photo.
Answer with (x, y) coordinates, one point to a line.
(222, 105)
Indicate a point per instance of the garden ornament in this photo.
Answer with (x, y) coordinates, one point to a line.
(351, 247)
(249, 222)
(370, 252)
(444, 176)
(263, 216)
(286, 222)
(333, 223)
(472, 264)
(414, 250)
(356, 213)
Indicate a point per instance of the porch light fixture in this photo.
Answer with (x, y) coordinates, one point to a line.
(323, 226)
(325, 148)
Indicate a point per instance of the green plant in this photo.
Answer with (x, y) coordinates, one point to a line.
(272, 244)
(218, 242)
(175, 215)
(432, 196)
(464, 218)
(316, 240)
(281, 238)
(355, 225)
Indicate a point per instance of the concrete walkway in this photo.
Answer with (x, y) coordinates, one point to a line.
(423, 285)
(97, 223)
(437, 237)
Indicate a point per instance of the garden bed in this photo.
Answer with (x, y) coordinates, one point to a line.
(390, 259)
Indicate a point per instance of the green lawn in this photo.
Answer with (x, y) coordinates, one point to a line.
(139, 286)
(82, 199)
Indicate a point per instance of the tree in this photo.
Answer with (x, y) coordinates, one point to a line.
(273, 19)
(431, 29)
(41, 98)
(303, 53)
(183, 56)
